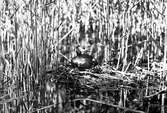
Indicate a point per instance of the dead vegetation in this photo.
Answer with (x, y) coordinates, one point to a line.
(39, 37)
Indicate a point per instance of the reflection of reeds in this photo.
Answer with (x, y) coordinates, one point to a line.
(37, 35)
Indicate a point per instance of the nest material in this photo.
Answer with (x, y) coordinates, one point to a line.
(109, 83)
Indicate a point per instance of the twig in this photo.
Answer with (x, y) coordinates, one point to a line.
(160, 92)
(64, 57)
(9, 100)
(109, 104)
(64, 36)
(101, 75)
(45, 107)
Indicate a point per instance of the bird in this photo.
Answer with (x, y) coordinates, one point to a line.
(83, 61)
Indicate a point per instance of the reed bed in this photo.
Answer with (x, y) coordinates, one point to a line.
(38, 37)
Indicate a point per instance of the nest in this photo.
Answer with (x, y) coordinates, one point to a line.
(105, 86)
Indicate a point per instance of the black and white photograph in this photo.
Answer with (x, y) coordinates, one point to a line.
(83, 56)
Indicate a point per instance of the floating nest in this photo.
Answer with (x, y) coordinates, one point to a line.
(104, 86)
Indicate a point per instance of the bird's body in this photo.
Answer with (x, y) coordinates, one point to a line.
(82, 61)
(86, 58)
